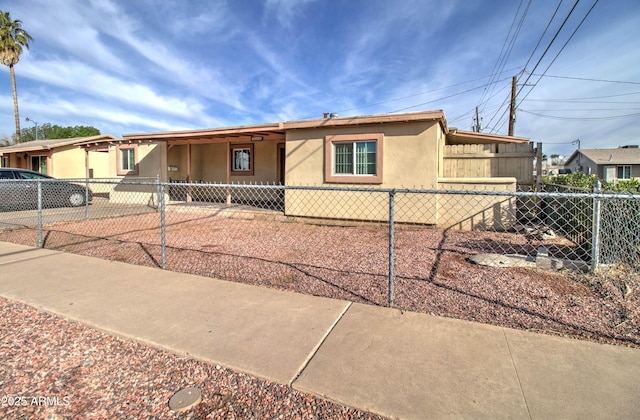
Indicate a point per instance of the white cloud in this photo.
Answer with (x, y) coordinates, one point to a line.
(286, 12)
(85, 80)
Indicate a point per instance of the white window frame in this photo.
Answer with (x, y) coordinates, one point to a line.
(246, 167)
(623, 167)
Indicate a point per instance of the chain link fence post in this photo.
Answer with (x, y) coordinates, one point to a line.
(595, 234)
(163, 233)
(86, 199)
(392, 195)
(40, 241)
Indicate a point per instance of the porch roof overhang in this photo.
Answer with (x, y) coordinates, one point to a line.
(243, 133)
(48, 145)
(471, 137)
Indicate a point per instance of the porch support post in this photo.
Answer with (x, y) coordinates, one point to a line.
(86, 162)
(188, 171)
(228, 172)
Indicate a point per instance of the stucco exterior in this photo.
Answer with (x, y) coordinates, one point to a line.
(410, 153)
(407, 152)
(65, 158)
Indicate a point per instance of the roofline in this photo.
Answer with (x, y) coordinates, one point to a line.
(368, 119)
(489, 137)
(572, 155)
(282, 127)
(597, 161)
(207, 132)
(35, 145)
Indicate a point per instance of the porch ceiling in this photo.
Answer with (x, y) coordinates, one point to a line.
(252, 137)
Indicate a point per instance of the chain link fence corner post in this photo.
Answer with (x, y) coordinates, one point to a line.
(40, 241)
(595, 234)
(163, 234)
(392, 195)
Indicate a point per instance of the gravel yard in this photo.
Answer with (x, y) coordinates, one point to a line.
(433, 274)
(107, 377)
(57, 369)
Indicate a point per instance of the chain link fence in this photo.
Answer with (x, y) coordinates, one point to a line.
(361, 244)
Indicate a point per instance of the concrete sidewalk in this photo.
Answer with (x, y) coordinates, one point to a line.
(396, 364)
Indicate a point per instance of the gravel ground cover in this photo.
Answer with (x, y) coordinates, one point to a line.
(88, 374)
(52, 368)
(433, 274)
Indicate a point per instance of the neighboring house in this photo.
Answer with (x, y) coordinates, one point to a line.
(61, 158)
(380, 151)
(608, 164)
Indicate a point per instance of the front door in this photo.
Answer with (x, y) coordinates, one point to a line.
(39, 164)
(609, 173)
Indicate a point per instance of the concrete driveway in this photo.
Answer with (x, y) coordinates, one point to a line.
(99, 208)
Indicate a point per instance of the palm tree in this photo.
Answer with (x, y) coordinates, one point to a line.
(12, 39)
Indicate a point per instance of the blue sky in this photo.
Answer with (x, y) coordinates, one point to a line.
(137, 66)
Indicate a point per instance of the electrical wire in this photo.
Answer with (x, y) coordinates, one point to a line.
(543, 34)
(502, 58)
(563, 47)
(612, 117)
(586, 79)
(548, 46)
(444, 97)
(419, 94)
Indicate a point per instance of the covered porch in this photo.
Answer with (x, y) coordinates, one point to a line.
(238, 155)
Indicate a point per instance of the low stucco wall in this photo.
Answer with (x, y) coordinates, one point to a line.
(476, 211)
(466, 211)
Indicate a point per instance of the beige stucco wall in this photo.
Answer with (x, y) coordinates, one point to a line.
(66, 162)
(99, 162)
(410, 154)
(410, 159)
(473, 211)
(152, 163)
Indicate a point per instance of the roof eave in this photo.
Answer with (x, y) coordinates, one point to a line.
(463, 135)
(282, 127)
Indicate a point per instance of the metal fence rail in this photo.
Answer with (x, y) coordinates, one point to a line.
(358, 241)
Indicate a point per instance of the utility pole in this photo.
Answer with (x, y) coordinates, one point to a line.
(512, 106)
(477, 126)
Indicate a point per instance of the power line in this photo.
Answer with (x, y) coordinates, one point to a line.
(581, 99)
(444, 97)
(422, 93)
(563, 47)
(502, 58)
(577, 101)
(543, 33)
(612, 117)
(541, 57)
(584, 110)
(549, 46)
(586, 79)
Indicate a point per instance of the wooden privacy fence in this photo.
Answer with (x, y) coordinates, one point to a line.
(490, 160)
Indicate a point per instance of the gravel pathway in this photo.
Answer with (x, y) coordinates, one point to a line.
(52, 368)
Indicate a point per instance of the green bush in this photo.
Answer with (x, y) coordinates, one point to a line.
(582, 180)
(576, 179)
